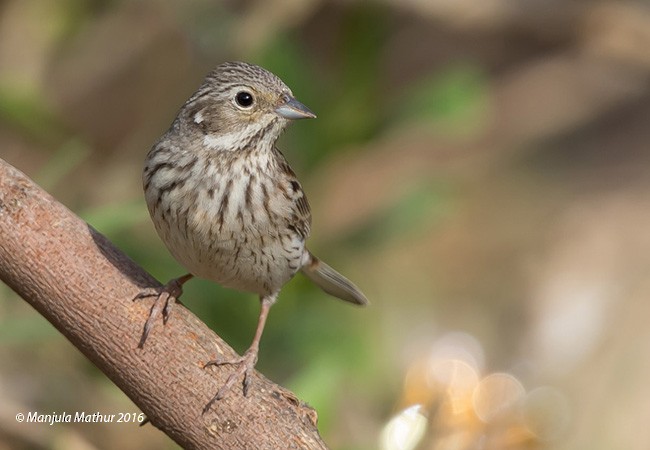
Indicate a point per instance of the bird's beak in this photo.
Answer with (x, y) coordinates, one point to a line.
(293, 109)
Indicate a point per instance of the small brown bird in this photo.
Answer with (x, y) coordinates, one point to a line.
(226, 203)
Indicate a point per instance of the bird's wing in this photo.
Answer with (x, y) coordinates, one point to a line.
(300, 219)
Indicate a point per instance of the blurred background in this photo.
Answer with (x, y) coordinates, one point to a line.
(478, 167)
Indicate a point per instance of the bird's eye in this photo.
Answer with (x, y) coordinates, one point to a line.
(244, 99)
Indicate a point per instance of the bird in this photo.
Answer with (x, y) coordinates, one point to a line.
(226, 203)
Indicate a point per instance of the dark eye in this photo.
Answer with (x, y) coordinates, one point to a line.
(244, 99)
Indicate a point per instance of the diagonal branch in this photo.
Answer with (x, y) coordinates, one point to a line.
(84, 286)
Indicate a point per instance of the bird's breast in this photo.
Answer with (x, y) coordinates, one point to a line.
(230, 226)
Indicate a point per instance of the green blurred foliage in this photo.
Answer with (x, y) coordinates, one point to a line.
(25, 111)
(456, 117)
(418, 209)
(452, 101)
(314, 344)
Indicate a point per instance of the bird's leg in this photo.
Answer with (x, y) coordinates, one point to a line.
(247, 362)
(165, 297)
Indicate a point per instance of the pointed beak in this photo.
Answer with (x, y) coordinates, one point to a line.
(292, 109)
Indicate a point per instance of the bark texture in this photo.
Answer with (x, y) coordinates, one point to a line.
(84, 286)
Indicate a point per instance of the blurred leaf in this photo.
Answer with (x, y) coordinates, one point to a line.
(454, 100)
(285, 57)
(25, 110)
(206, 23)
(358, 109)
(352, 100)
(231, 314)
(421, 205)
(32, 328)
(62, 163)
(317, 383)
(112, 219)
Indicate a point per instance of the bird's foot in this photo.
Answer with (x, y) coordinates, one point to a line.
(166, 296)
(245, 367)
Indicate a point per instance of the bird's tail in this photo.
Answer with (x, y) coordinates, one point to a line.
(332, 282)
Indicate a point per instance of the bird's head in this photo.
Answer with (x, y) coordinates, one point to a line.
(240, 103)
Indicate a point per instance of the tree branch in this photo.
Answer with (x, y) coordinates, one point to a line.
(84, 286)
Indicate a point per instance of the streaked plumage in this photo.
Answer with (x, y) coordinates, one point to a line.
(224, 199)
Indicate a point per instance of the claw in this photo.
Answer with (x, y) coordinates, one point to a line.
(247, 382)
(166, 296)
(246, 364)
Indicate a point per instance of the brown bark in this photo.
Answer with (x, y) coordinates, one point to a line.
(84, 286)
